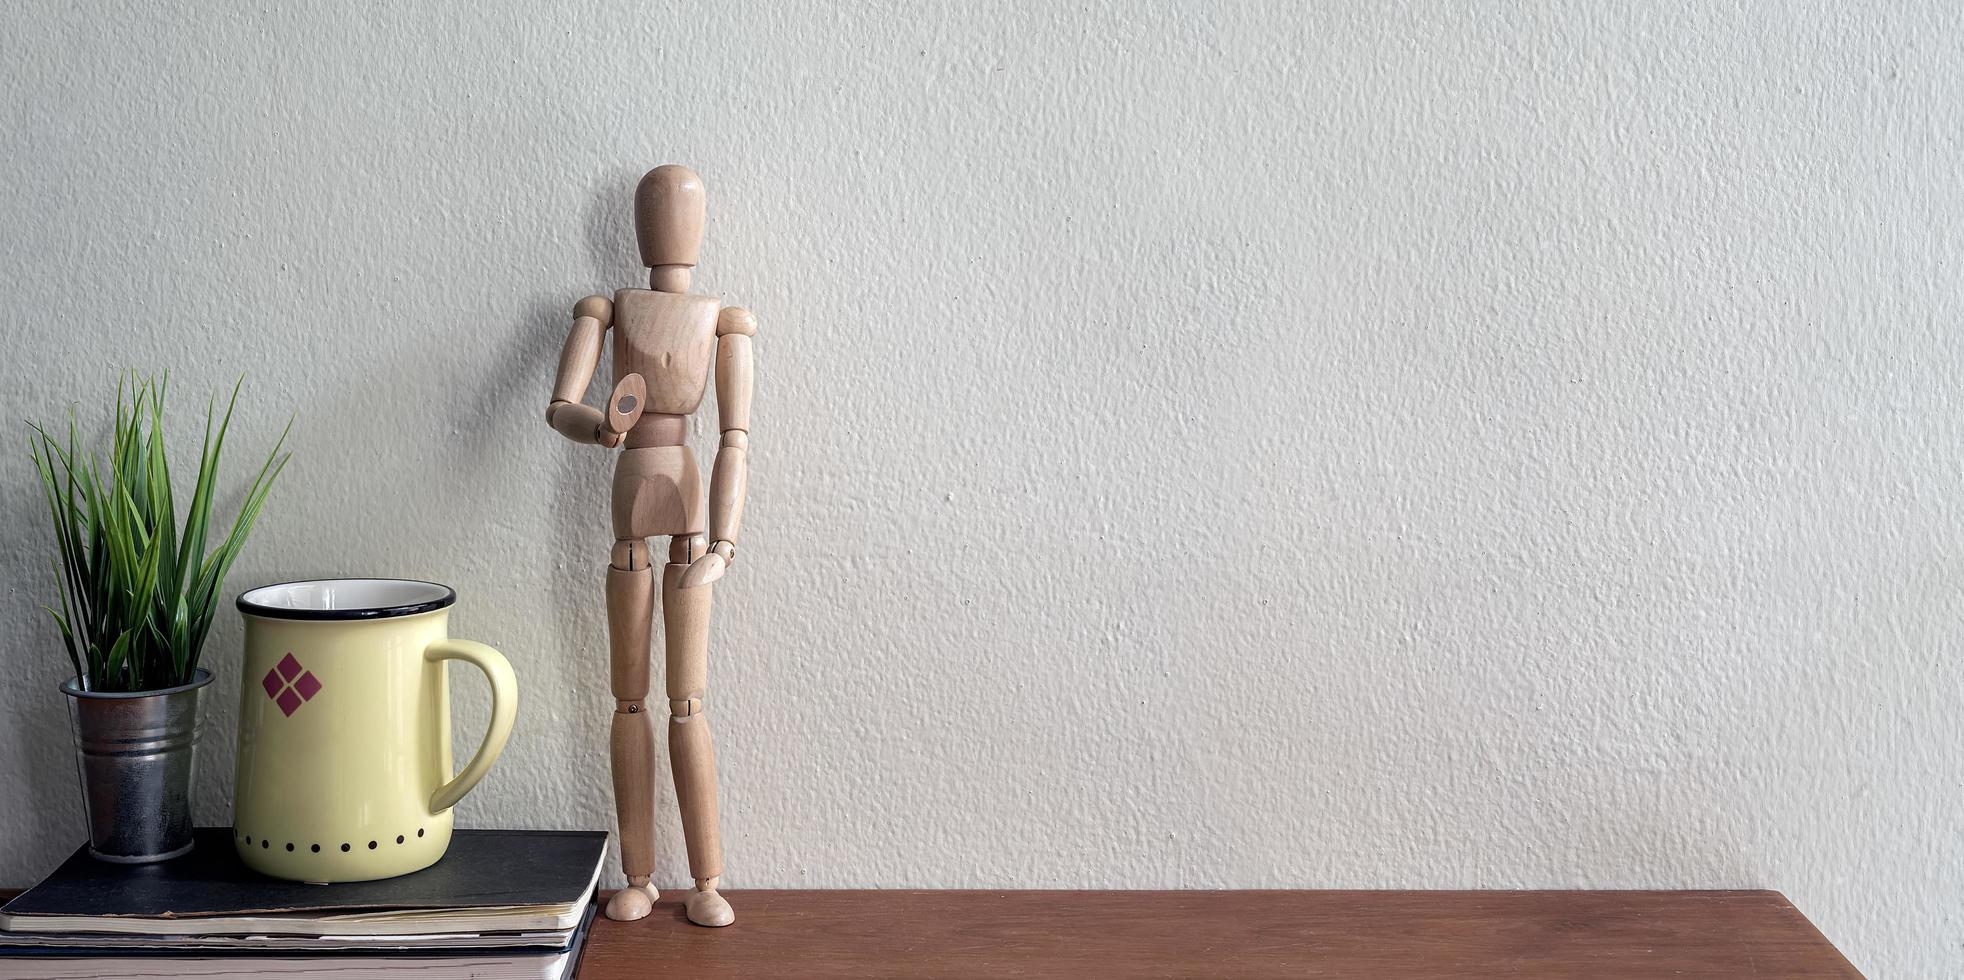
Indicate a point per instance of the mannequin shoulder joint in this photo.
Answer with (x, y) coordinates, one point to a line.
(736, 320)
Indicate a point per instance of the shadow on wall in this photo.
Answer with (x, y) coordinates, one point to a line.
(610, 243)
(39, 712)
(506, 403)
(514, 396)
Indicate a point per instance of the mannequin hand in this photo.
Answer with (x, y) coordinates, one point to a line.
(704, 570)
(625, 405)
(709, 567)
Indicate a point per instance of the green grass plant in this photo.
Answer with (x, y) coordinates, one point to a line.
(137, 590)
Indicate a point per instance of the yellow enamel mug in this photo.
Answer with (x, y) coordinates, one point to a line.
(344, 728)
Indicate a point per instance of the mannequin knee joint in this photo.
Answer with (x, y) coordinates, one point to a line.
(631, 554)
(682, 709)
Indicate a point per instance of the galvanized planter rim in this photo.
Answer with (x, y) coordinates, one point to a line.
(73, 688)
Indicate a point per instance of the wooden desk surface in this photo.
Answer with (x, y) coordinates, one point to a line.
(1371, 934)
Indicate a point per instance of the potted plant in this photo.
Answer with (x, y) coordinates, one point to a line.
(137, 593)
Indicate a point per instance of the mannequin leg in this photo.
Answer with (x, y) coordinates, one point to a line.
(691, 752)
(630, 614)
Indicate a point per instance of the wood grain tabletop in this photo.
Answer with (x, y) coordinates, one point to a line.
(1376, 934)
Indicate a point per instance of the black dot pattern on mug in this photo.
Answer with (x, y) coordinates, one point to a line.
(266, 843)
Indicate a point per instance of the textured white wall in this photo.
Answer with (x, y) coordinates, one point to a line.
(1467, 445)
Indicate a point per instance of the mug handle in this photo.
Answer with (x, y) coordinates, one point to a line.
(504, 708)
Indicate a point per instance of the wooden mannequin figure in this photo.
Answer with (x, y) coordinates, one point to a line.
(664, 340)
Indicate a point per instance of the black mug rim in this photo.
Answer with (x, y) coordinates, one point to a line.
(263, 611)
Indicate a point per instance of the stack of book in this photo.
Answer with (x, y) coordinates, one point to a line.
(501, 905)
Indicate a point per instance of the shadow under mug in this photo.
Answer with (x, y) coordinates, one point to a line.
(344, 728)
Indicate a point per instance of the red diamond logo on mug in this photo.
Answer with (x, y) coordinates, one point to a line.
(290, 685)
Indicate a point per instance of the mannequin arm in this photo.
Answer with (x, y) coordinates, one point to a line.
(577, 361)
(734, 381)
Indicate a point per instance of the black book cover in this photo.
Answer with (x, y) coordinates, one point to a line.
(483, 868)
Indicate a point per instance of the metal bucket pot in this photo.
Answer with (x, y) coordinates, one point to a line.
(136, 752)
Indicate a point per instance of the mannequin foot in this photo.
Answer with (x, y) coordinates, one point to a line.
(706, 908)
(631, 903)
